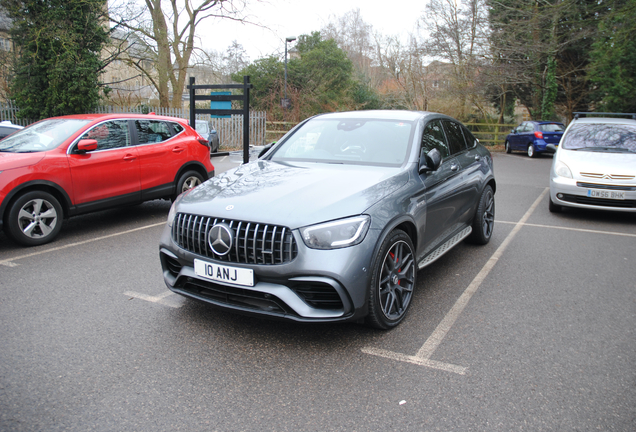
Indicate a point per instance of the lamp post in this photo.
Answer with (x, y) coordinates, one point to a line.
(285, 103)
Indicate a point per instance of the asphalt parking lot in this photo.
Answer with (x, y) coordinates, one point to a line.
(533, 332)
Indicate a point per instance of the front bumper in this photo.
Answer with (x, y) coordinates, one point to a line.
(575, 193)
(317, 286)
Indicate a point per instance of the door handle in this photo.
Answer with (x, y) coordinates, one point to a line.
(177, 150)
(129, 157)
(477, 157)
(454, 167)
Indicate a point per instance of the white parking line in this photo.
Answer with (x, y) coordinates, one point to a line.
(571, 229)
(423, 356)
(10, 261)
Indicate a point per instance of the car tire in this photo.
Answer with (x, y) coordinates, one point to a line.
(187, 181)
(34, 218)
(484, 219)
(393, 279)
(531, 151)
(507, 146)
(554, 208)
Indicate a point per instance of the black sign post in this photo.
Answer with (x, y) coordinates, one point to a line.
(245, 111)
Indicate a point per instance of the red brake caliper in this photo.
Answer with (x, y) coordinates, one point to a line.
(399, 270)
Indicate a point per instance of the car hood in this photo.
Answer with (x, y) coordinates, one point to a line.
(293, 195)
(599, 162)
(18, 160)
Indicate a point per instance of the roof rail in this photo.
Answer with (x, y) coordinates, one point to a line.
(603, 114)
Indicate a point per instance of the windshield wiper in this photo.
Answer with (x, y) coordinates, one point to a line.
(608, 149)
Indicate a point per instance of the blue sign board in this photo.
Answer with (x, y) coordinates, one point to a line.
(220, 105)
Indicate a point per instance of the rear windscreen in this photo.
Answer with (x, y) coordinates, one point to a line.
(551, 127)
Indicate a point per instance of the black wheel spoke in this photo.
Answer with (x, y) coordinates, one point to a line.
(396, 280)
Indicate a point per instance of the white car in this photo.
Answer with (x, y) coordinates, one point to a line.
(595, 165)
(7, 128)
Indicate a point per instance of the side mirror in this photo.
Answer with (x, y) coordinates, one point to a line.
(86, 145)
(266, 149)
(514, 131)
(430, 161)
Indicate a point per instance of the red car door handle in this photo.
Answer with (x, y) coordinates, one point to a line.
(177, 149)
(130, 157)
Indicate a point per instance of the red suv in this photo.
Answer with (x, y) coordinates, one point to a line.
(65, 166)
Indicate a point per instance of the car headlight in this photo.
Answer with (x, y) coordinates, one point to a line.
(336, 234)
(173, 209)
(172, 213)
(562, 170)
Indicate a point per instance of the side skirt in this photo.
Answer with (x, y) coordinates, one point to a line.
(444, 247)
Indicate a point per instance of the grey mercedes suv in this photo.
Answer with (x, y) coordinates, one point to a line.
(335, 220)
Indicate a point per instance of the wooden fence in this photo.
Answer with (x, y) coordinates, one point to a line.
(230, 130)
(490, 133)
(275, 130)
(486, 133)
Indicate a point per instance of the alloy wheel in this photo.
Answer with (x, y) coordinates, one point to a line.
(37, 218)
(396, 280)
(488, 218)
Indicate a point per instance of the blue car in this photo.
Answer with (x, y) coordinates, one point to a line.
(532, 137)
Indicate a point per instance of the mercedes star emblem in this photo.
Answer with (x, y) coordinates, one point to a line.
(220, 239)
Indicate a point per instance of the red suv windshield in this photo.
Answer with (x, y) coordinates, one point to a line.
(41, 136)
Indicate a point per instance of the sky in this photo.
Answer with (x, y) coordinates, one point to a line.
(285, 18)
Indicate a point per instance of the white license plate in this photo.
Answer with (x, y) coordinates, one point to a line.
(222, 273)
(607, 194)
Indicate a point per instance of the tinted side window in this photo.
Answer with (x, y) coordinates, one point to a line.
(433, 137)
(5, 131)
(109, 135)
(455, 136)
(151, 131)
(177, 128)
(471, 141)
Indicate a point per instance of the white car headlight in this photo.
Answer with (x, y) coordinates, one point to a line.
(172, 213)
(173, 208)
(562, 170)
(336, 234)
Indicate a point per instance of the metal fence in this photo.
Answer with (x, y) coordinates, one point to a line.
(230, 130)
(8, 111)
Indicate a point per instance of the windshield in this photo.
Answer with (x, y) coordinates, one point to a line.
(202, 127)
(348, 141)
(601, 137)
(551, 127)
(41, 136)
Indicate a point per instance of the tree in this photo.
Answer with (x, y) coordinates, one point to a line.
(408, 86)
(541, 52)
(613, 67)
(355, 37)
(168, 39)
(319, 80)
(58, 67)
(457, 34)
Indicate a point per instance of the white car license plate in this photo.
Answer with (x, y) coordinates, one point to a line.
(607, 194)
(221, 273)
